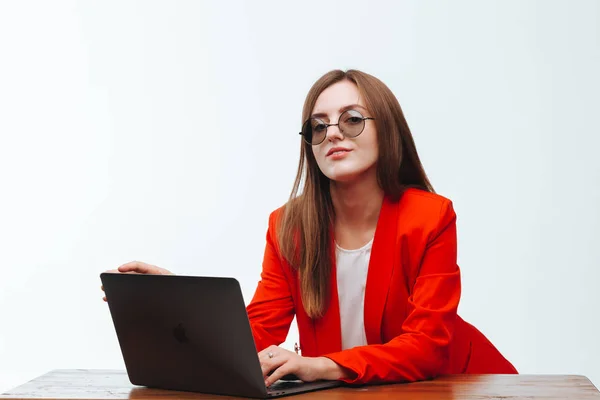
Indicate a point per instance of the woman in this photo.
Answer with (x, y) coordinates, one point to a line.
(364, 255)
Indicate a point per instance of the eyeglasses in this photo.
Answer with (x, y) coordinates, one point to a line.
(351, 124)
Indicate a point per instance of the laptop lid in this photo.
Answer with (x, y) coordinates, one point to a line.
(188, 333)
(184, 333)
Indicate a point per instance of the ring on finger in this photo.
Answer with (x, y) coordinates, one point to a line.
(271, 355)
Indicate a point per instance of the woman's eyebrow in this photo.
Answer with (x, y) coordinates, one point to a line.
(341, 110)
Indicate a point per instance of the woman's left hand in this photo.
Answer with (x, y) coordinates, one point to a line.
(282, 362)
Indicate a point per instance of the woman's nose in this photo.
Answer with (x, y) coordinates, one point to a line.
(333, 132)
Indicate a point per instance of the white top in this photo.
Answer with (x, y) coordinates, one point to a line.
(351, 270)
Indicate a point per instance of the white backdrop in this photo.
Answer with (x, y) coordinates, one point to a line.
(168, 131)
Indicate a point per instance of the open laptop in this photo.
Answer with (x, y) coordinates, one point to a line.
(191, 334)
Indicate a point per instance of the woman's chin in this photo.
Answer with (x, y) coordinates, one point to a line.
(345, 176)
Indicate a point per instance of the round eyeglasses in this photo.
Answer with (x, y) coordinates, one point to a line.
(351, 124)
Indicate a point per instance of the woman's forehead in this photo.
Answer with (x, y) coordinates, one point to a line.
(336, 97)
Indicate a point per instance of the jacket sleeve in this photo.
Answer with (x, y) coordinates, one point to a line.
(271, 310)
(421, 350)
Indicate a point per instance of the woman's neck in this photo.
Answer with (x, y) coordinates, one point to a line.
(357, 204)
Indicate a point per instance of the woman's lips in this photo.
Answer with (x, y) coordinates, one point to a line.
(338, 154)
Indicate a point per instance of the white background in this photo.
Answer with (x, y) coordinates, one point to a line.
(168, 131)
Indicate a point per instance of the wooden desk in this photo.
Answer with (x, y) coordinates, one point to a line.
(110, 385)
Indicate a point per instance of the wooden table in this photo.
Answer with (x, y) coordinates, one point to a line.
(110, 385)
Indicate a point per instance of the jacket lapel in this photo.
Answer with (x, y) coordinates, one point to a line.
(381, 266)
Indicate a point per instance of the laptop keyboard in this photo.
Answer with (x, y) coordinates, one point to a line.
(283, 385)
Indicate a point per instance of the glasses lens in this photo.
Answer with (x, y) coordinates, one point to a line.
(314, 131)
(352, 123)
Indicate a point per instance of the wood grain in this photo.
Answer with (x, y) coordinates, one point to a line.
(111, 384)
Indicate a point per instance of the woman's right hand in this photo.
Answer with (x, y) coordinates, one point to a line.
(138, 267)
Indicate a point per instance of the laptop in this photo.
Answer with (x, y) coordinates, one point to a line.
(190, 333)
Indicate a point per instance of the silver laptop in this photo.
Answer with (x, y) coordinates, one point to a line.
(191, 334)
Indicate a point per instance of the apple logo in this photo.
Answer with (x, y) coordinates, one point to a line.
(179, 333)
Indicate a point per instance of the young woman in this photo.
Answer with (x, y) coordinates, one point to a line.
(363, 253)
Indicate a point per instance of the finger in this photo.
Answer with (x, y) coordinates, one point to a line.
(136, 266)
(269, 359)
(278, 374)
(262, 354)
(271, 365)
(104, 298)
(265, 352)
(266, 356)
(102, 287)
(116, 271)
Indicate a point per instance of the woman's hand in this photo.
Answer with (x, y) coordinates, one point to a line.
(280, 362)
(137, 267)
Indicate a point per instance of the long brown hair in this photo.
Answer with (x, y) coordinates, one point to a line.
(304, 233)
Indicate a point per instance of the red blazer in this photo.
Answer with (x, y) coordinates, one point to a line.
(411, 297)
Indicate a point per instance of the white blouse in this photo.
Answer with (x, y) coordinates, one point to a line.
(351, 270)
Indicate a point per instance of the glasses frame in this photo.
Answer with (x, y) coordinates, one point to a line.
(338, 123)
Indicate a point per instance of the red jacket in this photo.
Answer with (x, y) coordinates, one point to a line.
(411, 297)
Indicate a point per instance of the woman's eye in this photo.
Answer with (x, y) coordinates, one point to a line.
(354, 120)
(319, 128)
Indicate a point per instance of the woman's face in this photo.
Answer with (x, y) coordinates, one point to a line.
(343, 159)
